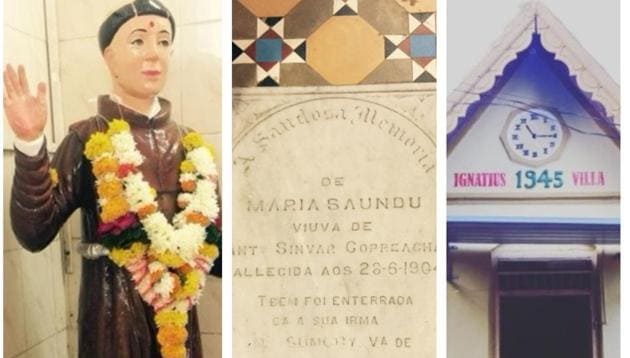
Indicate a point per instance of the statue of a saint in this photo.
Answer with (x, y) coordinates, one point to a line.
(146, 188)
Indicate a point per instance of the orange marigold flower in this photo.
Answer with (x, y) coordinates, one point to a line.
(171, 335)
(104, 165)
(173, 351)
(114, 208)
(184, 269)
(197, 218)
(189, 186)
(146, 210)
(109, 188)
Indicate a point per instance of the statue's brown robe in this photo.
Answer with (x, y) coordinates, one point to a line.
(113, 320)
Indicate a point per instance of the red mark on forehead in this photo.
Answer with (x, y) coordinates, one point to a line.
(151, 24)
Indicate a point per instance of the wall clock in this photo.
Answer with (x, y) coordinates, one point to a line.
(534, 136)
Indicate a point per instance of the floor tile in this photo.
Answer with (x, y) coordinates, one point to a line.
(385, 15)
(306, 17)
(344, 49)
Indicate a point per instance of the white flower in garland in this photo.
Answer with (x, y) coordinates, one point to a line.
(202, 160)
(125, 149)
(198, 202)
(165, 286)
(189, 239)
(138, 192)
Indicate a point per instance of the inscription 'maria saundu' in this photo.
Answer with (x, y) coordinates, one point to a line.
(334, 204)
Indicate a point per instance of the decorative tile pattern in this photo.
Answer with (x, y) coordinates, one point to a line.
(267, 8)
(268, 50)
(345, 7)
(344, 50)
(334, 42)
(418, 46)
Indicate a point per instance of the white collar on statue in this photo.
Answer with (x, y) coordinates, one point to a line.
(153, 111)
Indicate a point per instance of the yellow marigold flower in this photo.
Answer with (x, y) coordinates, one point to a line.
(169, 259)
(171, 317)
(117, 126)
(210, 251)
(123, 256)
(114, 208)
(190, 287)
(104, 165)
(178, 351)
(54, 176)
(109, 188)
(192, 140)
(187, 166)
(98, 144)
(171, 335)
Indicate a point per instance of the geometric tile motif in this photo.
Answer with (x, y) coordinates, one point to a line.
(345, 49)
(348, 42)
(269, 8)
(419, 46)
(345, 7)
(268, 50)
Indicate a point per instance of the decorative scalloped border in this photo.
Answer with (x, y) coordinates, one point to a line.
(607, 102)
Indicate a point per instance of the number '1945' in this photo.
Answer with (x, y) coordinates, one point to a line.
(529, 179)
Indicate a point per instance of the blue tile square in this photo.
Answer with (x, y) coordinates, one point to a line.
(422, 45)
(268, 50)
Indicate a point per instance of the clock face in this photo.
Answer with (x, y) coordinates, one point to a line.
(533, 136)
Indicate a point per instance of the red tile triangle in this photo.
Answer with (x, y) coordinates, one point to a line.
(422, 30)
(423, 61)
(251, 51)
(270, 34)
(405, 46)
(267, 65)
(286, 50)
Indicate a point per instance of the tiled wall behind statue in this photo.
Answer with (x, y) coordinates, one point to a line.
(34, 304)
(332, 42)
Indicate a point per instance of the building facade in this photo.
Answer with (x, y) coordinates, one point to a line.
(533, 200)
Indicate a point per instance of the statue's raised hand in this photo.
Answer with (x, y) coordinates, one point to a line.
(26, 113)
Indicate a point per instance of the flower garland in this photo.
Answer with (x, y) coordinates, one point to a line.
(167, 262)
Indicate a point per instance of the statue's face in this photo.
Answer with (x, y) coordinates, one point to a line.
(139, 54)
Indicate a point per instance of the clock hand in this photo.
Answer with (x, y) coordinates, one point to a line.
(530, 131)
(555, 135)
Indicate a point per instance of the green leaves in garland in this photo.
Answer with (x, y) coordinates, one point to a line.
(125, 238)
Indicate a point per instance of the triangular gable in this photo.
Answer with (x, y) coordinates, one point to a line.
(589, 79)
(525, 128)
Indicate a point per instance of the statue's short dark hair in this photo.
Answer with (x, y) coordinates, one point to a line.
(136, 8)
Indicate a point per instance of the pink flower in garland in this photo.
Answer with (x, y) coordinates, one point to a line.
(117, 226)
